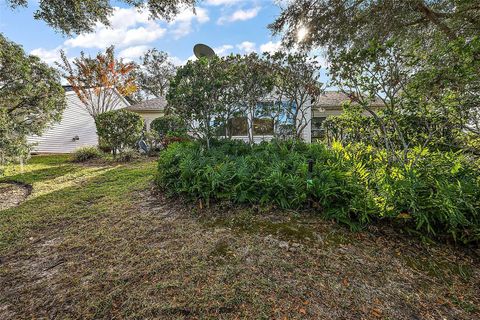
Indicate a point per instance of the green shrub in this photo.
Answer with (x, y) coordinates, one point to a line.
(119, 129)
(128, 155)
(438, 196)
(169, 125)
(87, 153)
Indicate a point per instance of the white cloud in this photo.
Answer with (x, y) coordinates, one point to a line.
(132, 27)
(48, 56)
(246, 46)
(182, 24)
(240, 15)
(128, 27)
(132, 53)
(270, 47)
(223, 50)
(221, 2)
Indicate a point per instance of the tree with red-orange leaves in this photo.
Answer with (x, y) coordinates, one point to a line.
(101, 83)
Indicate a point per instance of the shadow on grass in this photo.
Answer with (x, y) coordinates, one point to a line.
(41, 175)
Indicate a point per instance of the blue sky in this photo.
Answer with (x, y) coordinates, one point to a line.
(238, 26)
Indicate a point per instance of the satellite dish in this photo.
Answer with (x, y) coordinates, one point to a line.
(202, 50)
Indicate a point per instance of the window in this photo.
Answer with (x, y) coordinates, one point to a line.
(262, 127)
(317, 128)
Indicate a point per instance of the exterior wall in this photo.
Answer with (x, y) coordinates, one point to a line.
(75, 122)
(149, 116)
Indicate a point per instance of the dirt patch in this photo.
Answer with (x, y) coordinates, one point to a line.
(12, 194)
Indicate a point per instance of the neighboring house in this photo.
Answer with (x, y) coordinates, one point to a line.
(329, 104)
(149, 109)
(76, 129)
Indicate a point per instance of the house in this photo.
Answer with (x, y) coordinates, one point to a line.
(329, 104)
(75, 129)
(149, 109)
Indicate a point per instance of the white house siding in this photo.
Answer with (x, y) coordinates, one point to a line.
(76, 121)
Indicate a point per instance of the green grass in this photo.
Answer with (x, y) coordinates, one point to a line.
(64, 190)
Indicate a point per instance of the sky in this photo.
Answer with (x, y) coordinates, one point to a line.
(228, 26)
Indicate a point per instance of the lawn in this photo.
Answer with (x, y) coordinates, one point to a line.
(98, 241)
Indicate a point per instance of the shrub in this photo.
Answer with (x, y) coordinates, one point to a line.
(83, 154)
(128, 155)
(119, 129)
(169, 125)
(439, 195)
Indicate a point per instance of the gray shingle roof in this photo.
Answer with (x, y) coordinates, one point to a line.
(157, 104)
(336, 99)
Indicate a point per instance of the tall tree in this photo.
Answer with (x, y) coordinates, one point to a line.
(297, 85)
(421, 54)
(100, 83)
(154, 74)
(78, 16)
(199, 93)
(31, 98)
(339, 23)
(254, 85)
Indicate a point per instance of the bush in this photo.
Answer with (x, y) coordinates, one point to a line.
(169, 125)
(119, 129)
(128, 155)
(438, 196)
(83, 154)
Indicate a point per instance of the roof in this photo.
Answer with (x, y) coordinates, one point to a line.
(157, 104)
(336, 99)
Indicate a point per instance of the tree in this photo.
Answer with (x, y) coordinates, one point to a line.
(154, 74)
(101, 83)
(422, 57)
(254, 85)
(199, 93)
(341, 23)
(74, 17)
(31, 98)
(297, 85)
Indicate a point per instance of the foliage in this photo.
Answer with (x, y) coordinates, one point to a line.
(154, 74)
(420, 57)
(119, 129)
(200, 92)
(128, 154)
(87, 153)
(81, 16)
(169, 125)
(254, 82)
(31, 98)
(297, 83)
(101, 83)
(439, 196)
(340, 23)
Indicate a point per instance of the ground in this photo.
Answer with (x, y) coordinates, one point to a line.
(99, 241)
